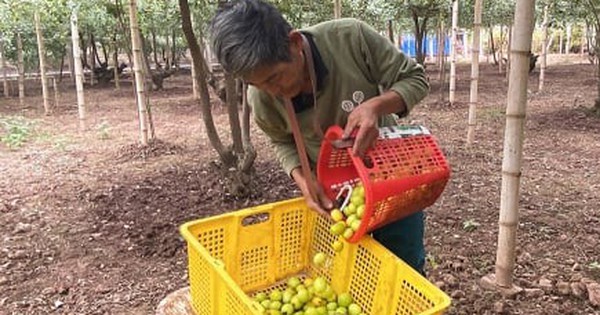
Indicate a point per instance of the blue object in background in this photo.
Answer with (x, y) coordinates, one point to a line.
(409, 47)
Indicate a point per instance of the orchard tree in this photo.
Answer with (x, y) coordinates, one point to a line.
(237, 159)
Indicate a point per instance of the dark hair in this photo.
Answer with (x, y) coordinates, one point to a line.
(246, 34)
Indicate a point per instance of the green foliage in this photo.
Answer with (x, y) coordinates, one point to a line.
(470, 225)
(16, 131)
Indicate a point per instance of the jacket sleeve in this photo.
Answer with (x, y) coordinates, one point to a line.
(274, 125)
(391, 68)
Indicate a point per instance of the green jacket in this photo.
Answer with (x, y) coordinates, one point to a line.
(357, 62)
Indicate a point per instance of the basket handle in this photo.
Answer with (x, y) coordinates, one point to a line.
(256, 218)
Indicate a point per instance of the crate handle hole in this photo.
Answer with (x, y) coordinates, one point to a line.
(256, 219)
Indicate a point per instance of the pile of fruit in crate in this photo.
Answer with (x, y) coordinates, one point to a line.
(311, 297)
(316, 296)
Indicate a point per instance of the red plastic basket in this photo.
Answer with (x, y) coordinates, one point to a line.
(404, 173)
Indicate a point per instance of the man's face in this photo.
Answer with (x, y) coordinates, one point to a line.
(283, 79)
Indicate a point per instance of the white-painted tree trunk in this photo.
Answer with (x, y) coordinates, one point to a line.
(568, 44)
(513, 142)
(195, 91)
(453, 52)
(544, 49)
(78, 70)
(138, 66)
(337, 9)
(42, 54)
(4, 70)
(474, 73)
(21, 69)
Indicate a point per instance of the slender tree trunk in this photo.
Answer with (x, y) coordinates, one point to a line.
(508, 65)
(225, 155)
(492, 45)
(474, 73)
(174, 57)
(92, 60)
(168, 49)
(195, 92)
(560, 43)
(70, 61)
(78, 69)
(513, 142)
(138, 66)
(62, 66)
(568, 44)
(250, 153)
(597, 51)
(234, 119)
(4, 70)
(453, 52)
(56, 93)
(21, 69)
(500, 46)
(544, 49)
(153, 34)
(441, 44)
(583, 40)
(337, 9)
(116, 73)
(42, 54)
(390, 31)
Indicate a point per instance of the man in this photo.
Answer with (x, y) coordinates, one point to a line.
(340, 72)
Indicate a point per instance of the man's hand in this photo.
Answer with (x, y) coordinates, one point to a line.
(323, 204)
(365, 117)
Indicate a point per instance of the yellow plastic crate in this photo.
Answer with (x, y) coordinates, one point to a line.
(234, 255)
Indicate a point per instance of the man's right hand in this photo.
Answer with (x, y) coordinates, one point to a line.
(322, 204)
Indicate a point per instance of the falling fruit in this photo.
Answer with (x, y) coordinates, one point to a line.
(337, 215)
(319, 259)
(348, 233)
(337, 245)
(338, 228)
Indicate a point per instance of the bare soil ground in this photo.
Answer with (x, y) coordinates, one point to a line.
(89, 221)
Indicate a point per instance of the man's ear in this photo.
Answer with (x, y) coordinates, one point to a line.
(295, 40)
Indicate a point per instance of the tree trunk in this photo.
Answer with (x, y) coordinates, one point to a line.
(70, 61)
(508, 65)
(21, 69)
(62, 66)
(560, 43)
(226, 156)
(174, 57)
(500, 46)
(441, 45)
(337, 9)
(56, 93)
(568, 44)
(195, 93)
(4, 70)
(78, 69)
(390, 31)
(453, 52)
(544, 49)
(153, 34)
(92, 59)
(138, 65)
(42, 54)
(232, 110)
(474, 73)
(597, 50)
(513, 142)
(492, 45)
(116, 63)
